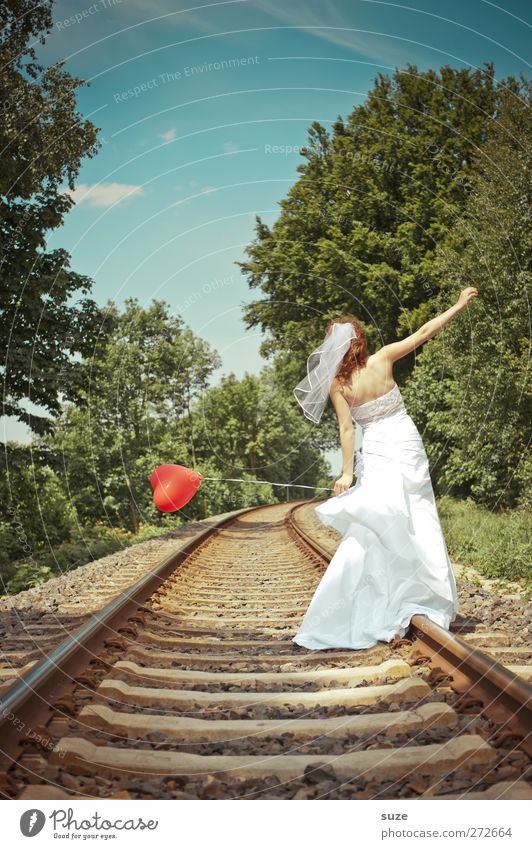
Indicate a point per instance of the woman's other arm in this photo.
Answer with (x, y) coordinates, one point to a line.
(347, 438)
(396, 350)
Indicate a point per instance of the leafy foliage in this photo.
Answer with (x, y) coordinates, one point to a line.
(358, 230)
(471, 391)
(43, 140)
(34, 509)
(250, 428)
(145, 399)
(497, 544)
(135, 393)
(424, 189)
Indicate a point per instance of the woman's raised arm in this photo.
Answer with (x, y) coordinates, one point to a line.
(396, 350)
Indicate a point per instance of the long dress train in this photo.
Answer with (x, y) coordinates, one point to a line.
(392, 561)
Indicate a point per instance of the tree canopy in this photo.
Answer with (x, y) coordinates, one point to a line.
(133, 413)
(424, 189)
(471, 390)
(46, 315)
(358, 230)
(145, 399)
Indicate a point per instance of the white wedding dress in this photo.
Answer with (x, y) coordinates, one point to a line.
(392, 561)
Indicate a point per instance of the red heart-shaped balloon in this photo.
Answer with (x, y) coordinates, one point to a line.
(173, 486)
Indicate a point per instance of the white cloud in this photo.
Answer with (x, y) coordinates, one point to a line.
(230, 146)
(104, 194)
(195, 187)
(335, 22)
(169, 135)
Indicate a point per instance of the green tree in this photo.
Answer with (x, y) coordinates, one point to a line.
(470, 392)
(135, 393)
(45, 314)
(358, 230)
(249, 428)
(35, 513)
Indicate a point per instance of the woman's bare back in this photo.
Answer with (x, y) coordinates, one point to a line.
(375, 378)
(369, 382)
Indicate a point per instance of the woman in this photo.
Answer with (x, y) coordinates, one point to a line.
(392, 561)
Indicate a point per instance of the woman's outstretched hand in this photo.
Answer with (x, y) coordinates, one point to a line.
(343, 483)
(467, 295)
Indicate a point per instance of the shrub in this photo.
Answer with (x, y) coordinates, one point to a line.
(88, 543)
(497, 544)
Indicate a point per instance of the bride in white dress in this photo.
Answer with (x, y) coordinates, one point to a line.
(392, 561)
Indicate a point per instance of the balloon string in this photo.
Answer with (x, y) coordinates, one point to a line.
(246, 480)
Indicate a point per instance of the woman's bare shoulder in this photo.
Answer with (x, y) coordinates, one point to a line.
(381, 361)
(336, 387)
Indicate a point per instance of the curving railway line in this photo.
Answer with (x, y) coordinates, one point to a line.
(187, 685)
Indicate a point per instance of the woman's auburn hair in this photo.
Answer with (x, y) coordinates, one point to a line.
(357, 354)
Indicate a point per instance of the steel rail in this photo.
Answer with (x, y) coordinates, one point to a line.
(506, 698)
(28, 701)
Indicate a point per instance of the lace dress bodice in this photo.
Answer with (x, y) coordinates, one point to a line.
(379, 408)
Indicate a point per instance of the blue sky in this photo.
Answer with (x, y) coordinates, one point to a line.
(202, 109)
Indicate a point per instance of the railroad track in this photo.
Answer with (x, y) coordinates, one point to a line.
(188, 685)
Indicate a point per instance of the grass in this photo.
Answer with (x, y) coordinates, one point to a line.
(498, 545)
(89, 543)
